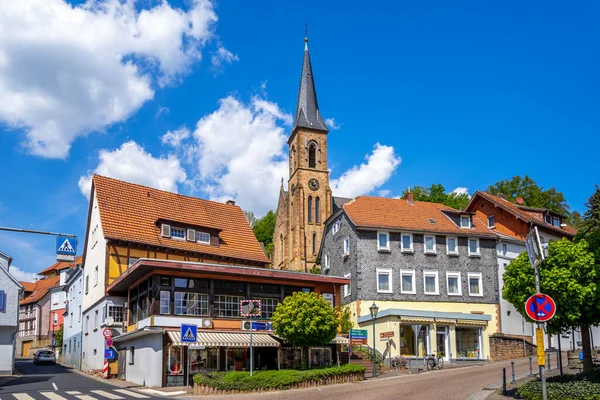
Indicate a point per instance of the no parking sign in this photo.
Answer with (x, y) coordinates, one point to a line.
(540, 307)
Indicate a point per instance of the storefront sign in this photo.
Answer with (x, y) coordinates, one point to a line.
(328, 297)
(385, 335)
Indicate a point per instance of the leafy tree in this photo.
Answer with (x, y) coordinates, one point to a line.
(263, 230)
(58, 337)
(533, 195)
(436, 193)
(250, 218)
(344, 319)
(568, 275)
(305, 320)
(575, 220)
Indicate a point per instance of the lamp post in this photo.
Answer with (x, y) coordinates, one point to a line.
(373, 309)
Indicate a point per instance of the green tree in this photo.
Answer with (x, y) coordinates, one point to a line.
(250, 218)
(436, 193)
(305, 320)
(533, 195)
(58, 337)
(263, 229)
(568, 275)
(344, 320)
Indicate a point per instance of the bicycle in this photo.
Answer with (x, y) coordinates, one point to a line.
(434, 361)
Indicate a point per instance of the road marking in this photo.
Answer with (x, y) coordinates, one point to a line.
(53, 396)
(73, 393)
(22, 396)
(162, 394)
(132, 394)
(107, 395)
(54, 386)
(86, 397)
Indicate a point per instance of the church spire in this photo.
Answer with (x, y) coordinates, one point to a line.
(307, 108)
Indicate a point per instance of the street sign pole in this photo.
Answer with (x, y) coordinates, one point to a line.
(251, 360)
(538, 329)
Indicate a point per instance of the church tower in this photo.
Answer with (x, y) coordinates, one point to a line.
(306, 204)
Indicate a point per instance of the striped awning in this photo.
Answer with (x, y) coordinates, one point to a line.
(445, 321)
(340, 340)
(416, 319)
(226, 339)
(471, 322)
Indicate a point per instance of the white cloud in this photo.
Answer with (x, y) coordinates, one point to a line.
(461, 190)
(21, 275)
(132, 163)
(68, 70)
(378, 168)
(161, 111)
(222, 56)
(384, 193)
(174, 138)
(330, 122)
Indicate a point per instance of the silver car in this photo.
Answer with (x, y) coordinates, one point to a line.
(44, 356)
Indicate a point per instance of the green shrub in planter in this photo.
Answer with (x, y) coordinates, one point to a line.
(566, 387)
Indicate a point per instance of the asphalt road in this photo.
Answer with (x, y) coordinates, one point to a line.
(446, 384)
(55, 382)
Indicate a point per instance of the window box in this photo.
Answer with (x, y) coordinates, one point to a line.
(383, 241)
(431, 284)
(406, 243)
(474, 247)
(453, 284)
(452, 246)
(407, 282)
(384, 280)
(429, 244)
(475, 284)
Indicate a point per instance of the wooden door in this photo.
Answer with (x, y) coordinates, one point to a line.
(25, 349)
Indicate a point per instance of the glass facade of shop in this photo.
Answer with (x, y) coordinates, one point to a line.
(468, 342)
(414, 340)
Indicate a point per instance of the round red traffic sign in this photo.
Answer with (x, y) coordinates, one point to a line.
(540, 307)
(107, 333)
(109, 342)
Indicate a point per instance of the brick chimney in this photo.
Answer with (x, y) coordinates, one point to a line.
(230, 202)
(409, 198)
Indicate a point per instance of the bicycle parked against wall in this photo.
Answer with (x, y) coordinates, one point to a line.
(434, 361)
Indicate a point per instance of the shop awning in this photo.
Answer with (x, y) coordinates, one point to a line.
(416, 319)
(445, 321)
(226, 339)
(340, 340)
(471, 322)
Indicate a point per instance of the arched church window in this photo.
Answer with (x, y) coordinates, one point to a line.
(312, 155)
(317, 210)
(314, 243)
(310, 199)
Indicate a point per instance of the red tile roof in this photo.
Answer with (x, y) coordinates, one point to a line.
(28, 286)
(57, 266)
(41, 288)
(525, 213)
(386, 213)
(130, 212)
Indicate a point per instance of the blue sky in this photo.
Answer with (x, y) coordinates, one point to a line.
(464, 93)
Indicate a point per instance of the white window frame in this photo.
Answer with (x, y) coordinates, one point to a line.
(437, 283)
(347, 291)
(412, 273)
(96, 276)
(202, 241)
(387, 234)
(174, 228)
(388, 272)
(326, 261)
(402, 248)
(468, 219)
(548, 219)
(457, 276)
(434, 251)
(346, 246)
(336, 227)
(556, 222)
(471, 254)
(488, 221)
(475, 275)
(448, 247)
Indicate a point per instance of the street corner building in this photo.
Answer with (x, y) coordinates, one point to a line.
(429, 268)
(10, 292)
(155, 260)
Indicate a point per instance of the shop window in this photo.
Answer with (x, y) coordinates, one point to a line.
(414, 340)
(320, 357)
(175, 360)
(453, 283)
(406, 242)
(165, 302)
(267, 307)
(237, 360)
(191, 303)
(291, 357)
(468, 342)
(465, 221)
(203, 360)
(407, 282)
(227, 306)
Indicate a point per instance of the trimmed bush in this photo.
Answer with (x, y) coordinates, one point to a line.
(266, 380)
(577, 386)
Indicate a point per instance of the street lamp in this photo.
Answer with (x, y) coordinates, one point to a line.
(373, 309)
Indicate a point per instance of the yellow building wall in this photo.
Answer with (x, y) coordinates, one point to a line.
(392, 323)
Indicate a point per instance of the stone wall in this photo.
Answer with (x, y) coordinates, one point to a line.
(506, 347)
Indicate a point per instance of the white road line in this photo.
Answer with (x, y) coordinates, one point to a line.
(85, 397)
(73, 393)
(132, 394)
(52, 396)
(162, 394)
(54, 386)
(107, 394)
(22, 396)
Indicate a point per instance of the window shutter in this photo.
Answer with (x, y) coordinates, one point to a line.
(165, 230)
(2, 302)
(191, 235)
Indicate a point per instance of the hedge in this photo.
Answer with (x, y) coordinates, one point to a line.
(265, 380)
(577, 386)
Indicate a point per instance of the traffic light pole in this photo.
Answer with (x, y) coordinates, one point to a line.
(539, 326)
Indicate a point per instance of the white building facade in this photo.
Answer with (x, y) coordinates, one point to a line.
(72, 346)
(10, 290)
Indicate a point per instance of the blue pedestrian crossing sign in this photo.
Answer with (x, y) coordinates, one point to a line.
(66, 245)
(189, 333)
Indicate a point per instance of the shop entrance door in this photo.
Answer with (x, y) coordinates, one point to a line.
(442, 342)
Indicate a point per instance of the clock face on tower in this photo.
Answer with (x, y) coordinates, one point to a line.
(313, 184)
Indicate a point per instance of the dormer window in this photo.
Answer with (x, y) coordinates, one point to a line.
(202, 237)
(549, 219)
(491, 222)
(465, 221)
(177, 233)
(556, 222)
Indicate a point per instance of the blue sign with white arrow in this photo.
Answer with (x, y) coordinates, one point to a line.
(66, 245)
(189, 333)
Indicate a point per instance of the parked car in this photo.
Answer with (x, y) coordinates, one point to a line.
(44, 356)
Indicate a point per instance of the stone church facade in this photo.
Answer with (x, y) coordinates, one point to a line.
(308, 201)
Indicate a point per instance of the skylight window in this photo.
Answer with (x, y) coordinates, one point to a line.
(431, 220)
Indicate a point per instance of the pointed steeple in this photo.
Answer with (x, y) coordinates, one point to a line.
(307, 108)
